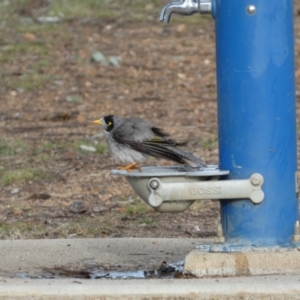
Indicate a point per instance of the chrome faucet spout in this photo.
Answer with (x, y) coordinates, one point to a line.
(185, 7)
(182, 7)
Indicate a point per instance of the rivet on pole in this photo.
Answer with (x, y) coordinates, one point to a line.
(251, 9)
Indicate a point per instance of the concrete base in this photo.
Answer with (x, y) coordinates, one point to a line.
(203, 264)
(30, 257)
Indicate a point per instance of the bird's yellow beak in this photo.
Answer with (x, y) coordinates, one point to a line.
(99, 122)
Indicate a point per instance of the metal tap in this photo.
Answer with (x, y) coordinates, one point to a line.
(185, 7)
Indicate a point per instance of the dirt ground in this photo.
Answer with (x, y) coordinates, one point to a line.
(54, 84)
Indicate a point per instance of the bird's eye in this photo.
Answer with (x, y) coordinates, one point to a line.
(109, 123)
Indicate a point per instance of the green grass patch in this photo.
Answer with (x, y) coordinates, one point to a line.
(12, 51)
(44, 147)
(101, 148)
(138, 207)
(148, 221)
(102, 9)
(128, 82)
(90, 227)
(11, 176)
(23, 230)
(29, 81)
(36, 54)
(11, 148)
(92, 9)
(48, 149)
(42, 153)
(209, 143)
(82, 9)
(41, 64)
(139, 10)
(195, 19)
(81, 227)
(38, 29)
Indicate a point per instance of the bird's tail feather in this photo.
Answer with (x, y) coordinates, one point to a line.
(191, 160)
(163, 149)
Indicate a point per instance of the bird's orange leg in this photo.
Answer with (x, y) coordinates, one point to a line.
(131, 167)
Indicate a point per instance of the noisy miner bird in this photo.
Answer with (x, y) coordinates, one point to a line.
(131, 140)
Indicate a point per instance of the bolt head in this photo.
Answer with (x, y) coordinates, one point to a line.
(255, 180)
(251, 9)
(154, 184)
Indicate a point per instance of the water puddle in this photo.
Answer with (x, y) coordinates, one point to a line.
(165, 270)
(140, 274)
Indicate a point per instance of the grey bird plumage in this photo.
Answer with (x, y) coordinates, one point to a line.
(134, 139)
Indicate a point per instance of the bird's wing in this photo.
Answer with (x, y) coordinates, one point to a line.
(143, 137)
(133, 129)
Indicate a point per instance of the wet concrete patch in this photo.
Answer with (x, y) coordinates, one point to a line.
(92, 271)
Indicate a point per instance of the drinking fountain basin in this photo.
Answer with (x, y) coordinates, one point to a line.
(176, 175)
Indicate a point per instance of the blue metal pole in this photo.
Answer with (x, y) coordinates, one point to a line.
(257, 116)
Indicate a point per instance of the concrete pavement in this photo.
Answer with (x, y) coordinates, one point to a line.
(32, 256)
(23, 258)
(257, 287)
